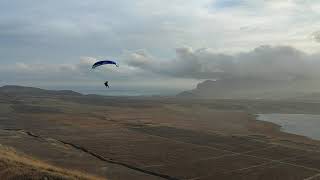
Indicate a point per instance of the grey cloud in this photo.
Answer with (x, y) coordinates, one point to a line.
(49, 29)
(52, 30)
(261, 63)
(79, 73)
(264, 62)
(316, 36)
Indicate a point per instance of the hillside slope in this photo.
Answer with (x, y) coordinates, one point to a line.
(29, 91)
(14, 165)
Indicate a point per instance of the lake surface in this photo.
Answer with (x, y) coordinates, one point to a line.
(300, 124)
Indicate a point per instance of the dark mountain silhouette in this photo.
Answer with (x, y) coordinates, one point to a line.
(21, 90)
(251, 89)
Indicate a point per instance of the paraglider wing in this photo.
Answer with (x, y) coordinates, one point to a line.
(100, 63)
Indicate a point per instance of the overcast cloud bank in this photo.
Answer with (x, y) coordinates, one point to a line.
(271, 63)
(41, 42)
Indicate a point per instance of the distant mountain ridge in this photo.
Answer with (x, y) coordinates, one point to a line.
(253, 89)
(22, 90)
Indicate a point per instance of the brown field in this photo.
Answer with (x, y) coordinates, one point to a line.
(15, 165)
(154, 138)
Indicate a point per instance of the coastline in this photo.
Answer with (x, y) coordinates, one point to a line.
(276, 135)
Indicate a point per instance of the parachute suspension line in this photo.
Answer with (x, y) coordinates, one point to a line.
(104, 62)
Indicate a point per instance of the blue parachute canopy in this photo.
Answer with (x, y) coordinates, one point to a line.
(100, 63)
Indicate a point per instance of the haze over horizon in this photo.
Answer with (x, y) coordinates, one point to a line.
(162, 46)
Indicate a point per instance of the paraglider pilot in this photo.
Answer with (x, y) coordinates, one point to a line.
(106, 84)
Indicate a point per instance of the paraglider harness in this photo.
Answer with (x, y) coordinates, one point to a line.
(106, 84)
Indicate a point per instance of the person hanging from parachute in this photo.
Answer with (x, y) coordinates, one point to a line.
(106, 84)
(104, 62)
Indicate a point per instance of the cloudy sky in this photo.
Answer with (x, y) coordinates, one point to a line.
(162, 46)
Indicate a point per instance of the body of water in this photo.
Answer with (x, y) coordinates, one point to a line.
(300, 124)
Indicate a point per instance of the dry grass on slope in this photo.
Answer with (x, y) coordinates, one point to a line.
(16, 166)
